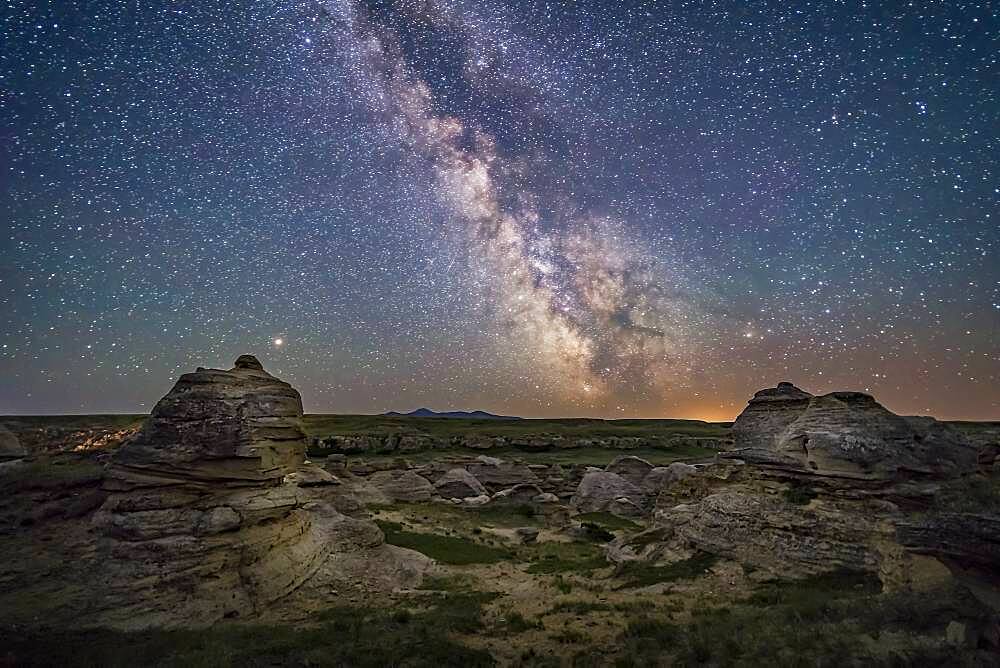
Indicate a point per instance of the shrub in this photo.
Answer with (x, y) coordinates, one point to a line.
(799, 495)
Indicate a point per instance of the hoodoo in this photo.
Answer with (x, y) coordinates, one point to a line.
(207, 516)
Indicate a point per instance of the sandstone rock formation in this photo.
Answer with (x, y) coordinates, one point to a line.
(405, 486)
(633, 469)
(600, 490)
(662, 476)
(845, 435)
(496, 477)
(459, 483)
(209, 513)
(815, 485)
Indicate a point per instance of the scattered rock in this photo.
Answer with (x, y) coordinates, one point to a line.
(527, 535)
(663, 476)
(405, 486)
(631, 468)
(312, 476)
(502, 476)
(518, 494)
(601, 490)
(458, 482)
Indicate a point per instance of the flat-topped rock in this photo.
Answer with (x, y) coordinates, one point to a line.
(845, 434)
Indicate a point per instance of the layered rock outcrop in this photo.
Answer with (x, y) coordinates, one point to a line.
(822, 483)
(845, 435)
(212, 512)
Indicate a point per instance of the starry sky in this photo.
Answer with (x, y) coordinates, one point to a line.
(611, 209)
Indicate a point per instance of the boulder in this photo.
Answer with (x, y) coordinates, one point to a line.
(663, 476)
(630, 467)
(502, 476)
(404, 486)
(10, 446)
(518, 494)
(458, 482)
(601, 490)
(527, 535)
(313, 476)
(845, 435)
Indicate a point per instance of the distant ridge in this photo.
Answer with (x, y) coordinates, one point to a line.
(474, 415)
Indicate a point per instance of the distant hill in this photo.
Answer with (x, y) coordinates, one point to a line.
(473, 415)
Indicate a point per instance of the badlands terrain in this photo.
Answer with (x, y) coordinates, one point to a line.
(226, 528)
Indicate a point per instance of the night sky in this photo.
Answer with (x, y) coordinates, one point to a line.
(547, 209)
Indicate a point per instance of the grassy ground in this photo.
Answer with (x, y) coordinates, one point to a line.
(586, 456)
(374, 425)
(837, 620)
(18, 423)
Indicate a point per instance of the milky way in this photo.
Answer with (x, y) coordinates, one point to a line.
(538, 208)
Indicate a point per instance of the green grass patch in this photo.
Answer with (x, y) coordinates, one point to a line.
(799, 495)
(454, 612)
(814, 591)
(339, 637)
(515, 622)
(506, 516)
(791, 631)
(446, 549)
(351, 425)
(555, 557)
(642, 574)
(579, 607)
(46, 472)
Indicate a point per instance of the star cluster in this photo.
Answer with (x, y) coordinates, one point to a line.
(545, 208)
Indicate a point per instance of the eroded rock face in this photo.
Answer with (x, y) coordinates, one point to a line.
(211, 512)
(765, 531)
(846, 435)
(235, 427)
